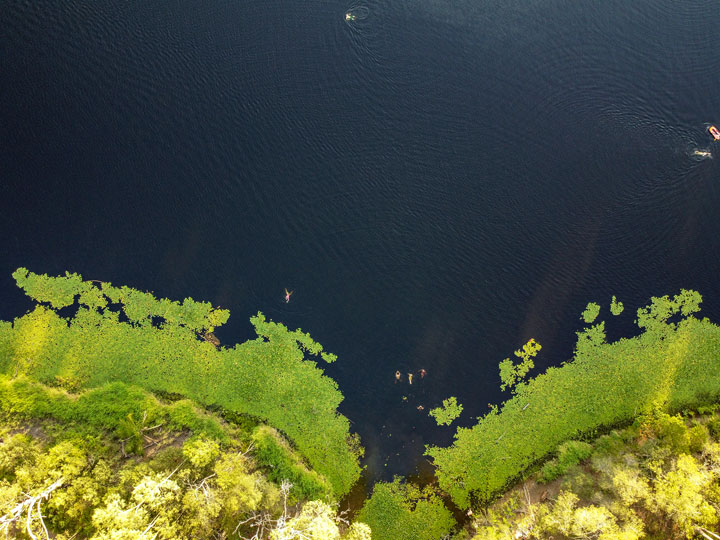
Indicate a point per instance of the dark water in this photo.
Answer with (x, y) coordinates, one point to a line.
(437, 181)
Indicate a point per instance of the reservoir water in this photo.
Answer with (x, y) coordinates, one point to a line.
(437, 181)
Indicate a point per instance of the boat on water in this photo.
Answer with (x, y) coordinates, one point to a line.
(715, 132)
(349, 16)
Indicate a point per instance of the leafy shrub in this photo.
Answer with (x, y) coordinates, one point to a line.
(713, 426)
(670, 431)
(240, 488)
(317, 521)
(698, 436)
(15, 450)
(201, 452)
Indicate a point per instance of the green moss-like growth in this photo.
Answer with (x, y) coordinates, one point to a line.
(120, 334)
(116, 407)
(282, 463)
(401, 511)
(591, 312)
(449, 411)
(616, 308)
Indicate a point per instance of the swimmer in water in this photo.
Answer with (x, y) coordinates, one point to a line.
(422, 373)
(410, 378)
(397, 376)
(287, 296)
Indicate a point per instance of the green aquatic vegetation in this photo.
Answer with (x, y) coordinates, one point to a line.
(616, 308)
(141, 308)
(119, 334)
(591, 312)
(449, 411)
(672, 365)
(281, 463)
(570, 454)
(510, 373)
(402, 511)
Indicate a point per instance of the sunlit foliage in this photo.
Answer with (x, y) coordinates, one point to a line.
(510, 373)
(591, 312)
(317, 521)
(120, 334)
(401, 511)
(670, 366)
(204, 487)
(644, 485)
(449, 411)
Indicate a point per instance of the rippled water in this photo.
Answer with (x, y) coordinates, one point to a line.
(437, 181)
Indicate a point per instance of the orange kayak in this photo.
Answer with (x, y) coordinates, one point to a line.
(714, 132)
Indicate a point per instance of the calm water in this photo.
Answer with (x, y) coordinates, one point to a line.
(437, 181)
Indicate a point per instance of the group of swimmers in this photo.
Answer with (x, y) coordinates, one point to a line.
(398, 376)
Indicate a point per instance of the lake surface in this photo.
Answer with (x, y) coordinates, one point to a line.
(437, 181)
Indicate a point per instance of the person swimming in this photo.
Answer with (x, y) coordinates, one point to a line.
(287, 295)
(397, 376)
(410, 378)
(422, 373)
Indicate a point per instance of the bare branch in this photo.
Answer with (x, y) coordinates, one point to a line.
(29, 504)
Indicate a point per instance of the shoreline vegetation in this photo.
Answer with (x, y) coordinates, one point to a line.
(121, 418)
(120, 334)
(672, 365)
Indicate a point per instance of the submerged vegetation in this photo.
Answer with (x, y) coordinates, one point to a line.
(122, 417)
